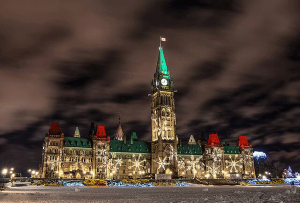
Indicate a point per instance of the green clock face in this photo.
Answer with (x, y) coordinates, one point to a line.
(164, 81)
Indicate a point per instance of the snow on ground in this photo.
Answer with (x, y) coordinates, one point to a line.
(196, 193)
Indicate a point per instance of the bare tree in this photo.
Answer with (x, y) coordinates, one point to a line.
(277, 169)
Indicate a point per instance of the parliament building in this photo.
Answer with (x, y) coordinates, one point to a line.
(116, 157)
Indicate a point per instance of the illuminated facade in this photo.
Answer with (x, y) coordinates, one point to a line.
(98, 156)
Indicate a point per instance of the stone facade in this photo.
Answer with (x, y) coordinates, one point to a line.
(97, 156)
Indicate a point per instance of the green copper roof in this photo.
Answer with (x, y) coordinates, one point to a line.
(135, 147)
(161, 64)
(189, 149)
(76, 142)
(231, 150)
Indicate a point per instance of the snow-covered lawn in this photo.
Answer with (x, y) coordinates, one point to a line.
(194, 193)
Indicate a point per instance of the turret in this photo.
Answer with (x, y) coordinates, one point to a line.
(192, 140)
(119, 135)
(52, 146)
(77, 133)
(92, 130)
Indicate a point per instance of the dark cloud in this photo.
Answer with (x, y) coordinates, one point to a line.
(80, 74)
(140, 93)
(42, 40)
(293, 52)
(208, 70)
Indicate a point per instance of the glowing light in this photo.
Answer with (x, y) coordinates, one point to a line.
(162, 163)
(181, 164)
(173, 153)
(119, 161)
(193, 165)
(248, 158)
(234, 165)
(110, 165)
(216, 165)
(259, 155)
(137, 163)
(4, 171)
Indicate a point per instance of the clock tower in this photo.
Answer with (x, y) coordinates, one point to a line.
(163, 118)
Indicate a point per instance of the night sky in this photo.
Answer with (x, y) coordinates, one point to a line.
(235, 64)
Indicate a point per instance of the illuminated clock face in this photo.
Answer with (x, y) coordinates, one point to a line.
(164, 82)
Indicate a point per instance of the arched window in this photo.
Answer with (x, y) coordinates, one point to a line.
(163, 112)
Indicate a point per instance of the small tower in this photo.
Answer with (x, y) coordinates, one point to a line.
(247, 153)
(53, 146)
(192, 140)
(77, 133)
(119, 135)
(101, 143)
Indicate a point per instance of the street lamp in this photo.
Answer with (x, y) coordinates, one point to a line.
(4, 171)
(92, 174)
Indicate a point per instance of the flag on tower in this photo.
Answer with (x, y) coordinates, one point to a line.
(163, 39)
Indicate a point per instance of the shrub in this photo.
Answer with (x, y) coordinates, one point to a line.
(95, 182)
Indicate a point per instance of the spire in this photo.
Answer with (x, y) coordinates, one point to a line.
(119, 135)
(77, 133)
(192, 140)
(161, 68)
(92, 129)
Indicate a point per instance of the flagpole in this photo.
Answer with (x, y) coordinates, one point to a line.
(159, 42)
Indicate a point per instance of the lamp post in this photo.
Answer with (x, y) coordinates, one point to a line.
(92, 174)
(11, 177)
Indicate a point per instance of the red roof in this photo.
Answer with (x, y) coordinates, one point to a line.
(243, 142)
(54, 129)
(213, 140)
(100, 134)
